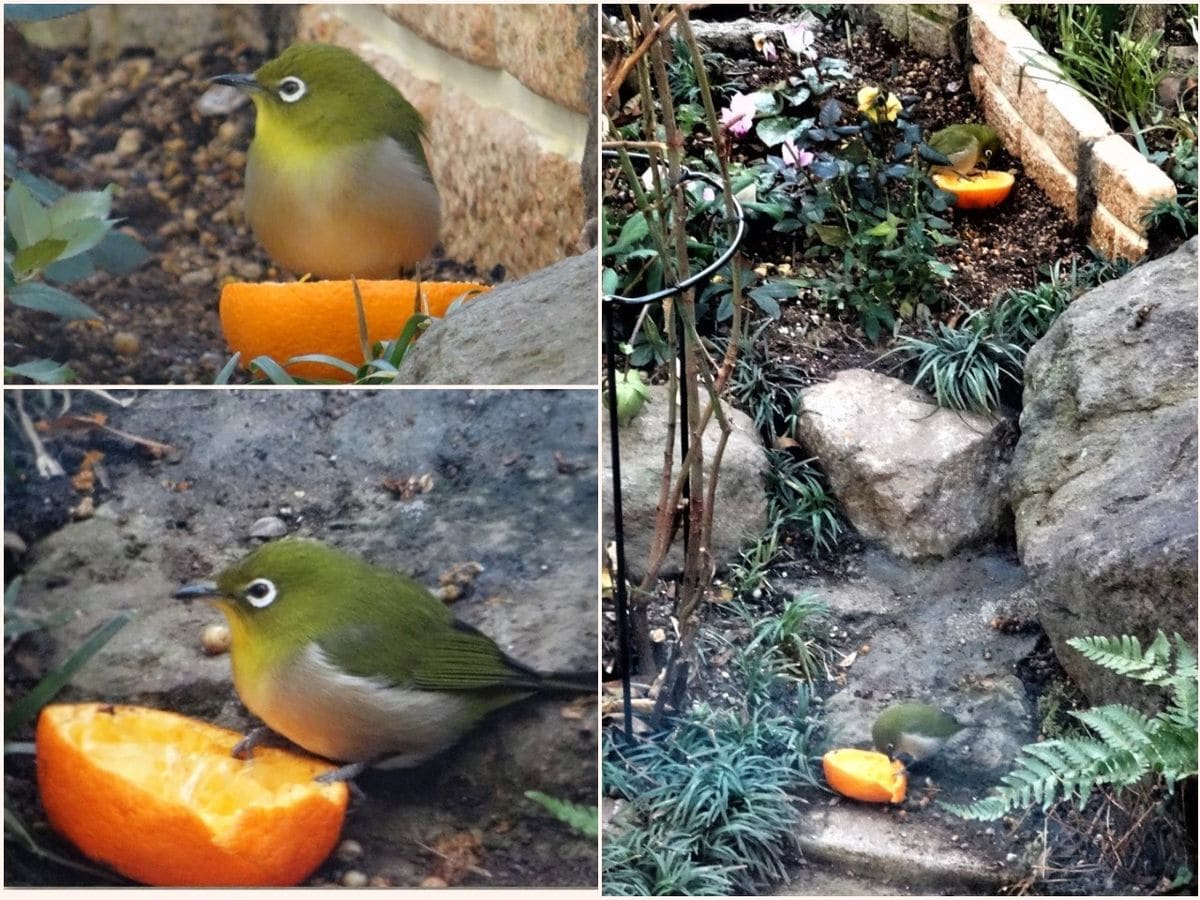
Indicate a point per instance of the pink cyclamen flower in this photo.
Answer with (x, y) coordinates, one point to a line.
(796, 157)
(800, 40)
(739, 114)
(770, 54)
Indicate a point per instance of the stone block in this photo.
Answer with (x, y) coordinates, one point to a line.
(466, 30)
(1057, 181)
(893, 17)
(1069, 122)
(1114, 238)
(998, 112)
(1126, 182)
(551, 49)
(931, 34)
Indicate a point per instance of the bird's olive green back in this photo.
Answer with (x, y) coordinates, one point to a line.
(345, 101)
(369, 621)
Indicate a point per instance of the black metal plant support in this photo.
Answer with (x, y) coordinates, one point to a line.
(610, 303)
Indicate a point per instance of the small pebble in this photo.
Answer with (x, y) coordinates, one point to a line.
(354, 878)
(215, 640)
(349, 850)
(197, 278)
(126, 343)
(268, 527)
(434, 882)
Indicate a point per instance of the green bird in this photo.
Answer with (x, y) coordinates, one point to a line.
(337, 183)
(913, 731)
(966, 146)
(357, 663)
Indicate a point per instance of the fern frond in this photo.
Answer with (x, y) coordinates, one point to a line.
(1124, 656)
(1121, 727)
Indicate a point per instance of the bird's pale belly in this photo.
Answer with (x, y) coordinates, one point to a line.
(342, 216)
(350, 719)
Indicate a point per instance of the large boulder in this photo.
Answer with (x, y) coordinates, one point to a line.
(923, 480)
(1104, 476)
(741, 501)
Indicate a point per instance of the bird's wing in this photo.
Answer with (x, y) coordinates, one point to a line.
(445, 657)
(462, 658)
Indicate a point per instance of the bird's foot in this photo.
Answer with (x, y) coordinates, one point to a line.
(342, 773)
(256, 737)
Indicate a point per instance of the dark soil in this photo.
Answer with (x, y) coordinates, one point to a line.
(134, 123)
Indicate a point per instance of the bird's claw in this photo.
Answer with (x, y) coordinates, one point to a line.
(244, 749)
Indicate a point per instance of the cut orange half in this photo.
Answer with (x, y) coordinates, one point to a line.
(865, 775)
(285, 320)
(158, 797)
(975, 191)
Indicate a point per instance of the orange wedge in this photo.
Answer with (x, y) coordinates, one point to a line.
(320, 317)
(865, 775)
(978, 191)
(157, 796)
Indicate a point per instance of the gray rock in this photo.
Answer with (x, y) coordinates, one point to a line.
(1104, 476)
(741, 501)
(924, 481)
(539, 330)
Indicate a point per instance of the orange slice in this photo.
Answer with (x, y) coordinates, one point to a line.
(283, 320)
(865, 775)
(157, 796)
(978, 191)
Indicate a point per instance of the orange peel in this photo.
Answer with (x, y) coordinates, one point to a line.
(980, 191)
(285, 320)
(159, 798)
(865, 775)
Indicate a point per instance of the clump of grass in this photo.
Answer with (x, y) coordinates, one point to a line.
(963, 367)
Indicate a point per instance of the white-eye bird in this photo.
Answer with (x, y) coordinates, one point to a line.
(337, 183)
(913, 731)
(357, 663)
(966, 146)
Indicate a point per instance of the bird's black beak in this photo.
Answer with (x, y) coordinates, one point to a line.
(246, 83)
(199, 590)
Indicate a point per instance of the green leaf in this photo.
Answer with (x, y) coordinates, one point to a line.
(833, 235)
(67, 270)
(31, 259)
(610, 282)
(119, 253)
(271, 370)
(635, 229)
(584, 819)
(45, 690)
(228, 369)
(776, 130)
(44, 298)
(27, 220)
(81, 235)
(43, 371)
(81, 205)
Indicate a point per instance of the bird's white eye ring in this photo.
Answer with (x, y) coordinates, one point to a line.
(260, 593)
(292, 89)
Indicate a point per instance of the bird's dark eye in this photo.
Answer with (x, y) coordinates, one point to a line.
(260, 592)
(291, 89)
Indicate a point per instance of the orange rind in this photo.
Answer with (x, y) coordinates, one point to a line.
(159, 798)
(303, 318)
(980, 191)
(865, 775)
